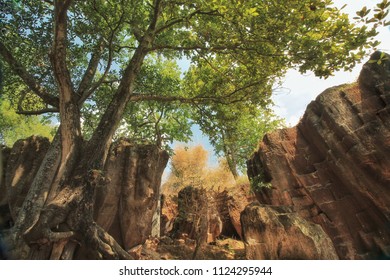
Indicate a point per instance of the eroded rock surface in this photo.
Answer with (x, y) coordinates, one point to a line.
(333, 168)
(277, 233)
(126, 205)
(22, 164)
(222, 210)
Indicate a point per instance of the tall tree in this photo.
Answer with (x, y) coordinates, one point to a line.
(68, 55)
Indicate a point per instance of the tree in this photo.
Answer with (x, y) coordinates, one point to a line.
(189, 168)
(68, 55)
(14, 126)
(235, 132)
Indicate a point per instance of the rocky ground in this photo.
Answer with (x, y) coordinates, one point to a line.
(180, 249)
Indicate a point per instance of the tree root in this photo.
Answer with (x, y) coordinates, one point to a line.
(105, 244)
(68, 220)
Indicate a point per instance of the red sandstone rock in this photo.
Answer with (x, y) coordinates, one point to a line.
(276, 233)
(333, 168)
(126, 205)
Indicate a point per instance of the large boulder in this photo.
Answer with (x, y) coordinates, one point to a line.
(126, 205)
(220, 209)
(277, 233)
(333, 167)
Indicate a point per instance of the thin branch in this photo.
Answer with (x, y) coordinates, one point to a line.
(109, 63)
(183, 19)
(186, 100)
(49, 2)
(27, 78)
(224, 100)
(91, 69)
(215, 49)
(37, 112)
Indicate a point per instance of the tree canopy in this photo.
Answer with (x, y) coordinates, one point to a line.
(109, 68)
(189, 168)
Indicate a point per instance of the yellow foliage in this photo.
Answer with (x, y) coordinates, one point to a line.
(189, 168)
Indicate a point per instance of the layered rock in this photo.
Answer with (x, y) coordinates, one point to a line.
(22, 164)
(5, 214)
(277, 233)
(333, 168)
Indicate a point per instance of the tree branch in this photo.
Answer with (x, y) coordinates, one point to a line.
(37, 112)
(102, 136)
(93, 88)
(91, 70)
(186, 100)
(156, 15)
(180, 20)
(58, 55)
(27, 78)
(68, 105)
(215, 49)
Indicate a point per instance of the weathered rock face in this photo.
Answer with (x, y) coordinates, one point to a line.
(5, 214)
(222, 210)
(23, 163)
(276, 233)
(124, 205)
(230, 204)
(168, 214)
(333, 168)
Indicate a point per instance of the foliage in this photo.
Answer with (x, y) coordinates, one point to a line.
(189, 168)
(259, 182)
(235, 132)
(146, 121)
(14, 126)
(237, 49)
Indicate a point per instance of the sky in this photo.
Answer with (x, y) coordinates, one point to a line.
(298, 90)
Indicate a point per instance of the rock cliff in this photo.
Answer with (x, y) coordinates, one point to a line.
(333, 168)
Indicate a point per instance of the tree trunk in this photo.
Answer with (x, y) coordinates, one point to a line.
(57, 212)
(74, 224)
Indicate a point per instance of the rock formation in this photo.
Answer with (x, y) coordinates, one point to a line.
(125, 204)
(333, 168)
(5, 214)
(230, 204)
(193, 215)
(222, 210)
(276, 233)
(22, 164)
